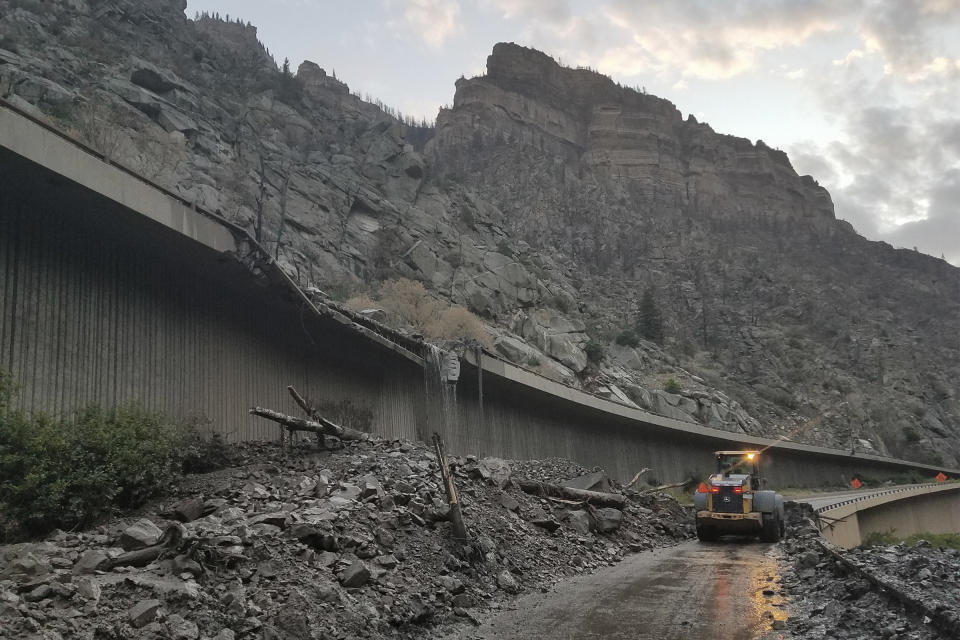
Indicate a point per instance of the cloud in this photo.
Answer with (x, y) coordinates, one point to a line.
(895, 173)
(713, 40)
(553, 12)
(432, 21)
(937, 233)
(903, 33)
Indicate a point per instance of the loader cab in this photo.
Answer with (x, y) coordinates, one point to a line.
(744, 465)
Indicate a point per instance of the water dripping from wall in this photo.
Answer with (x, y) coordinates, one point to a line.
(441, 371)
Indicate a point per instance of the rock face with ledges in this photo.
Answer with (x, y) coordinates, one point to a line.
(585, 120)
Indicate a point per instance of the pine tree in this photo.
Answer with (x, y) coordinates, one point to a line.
(650, 322)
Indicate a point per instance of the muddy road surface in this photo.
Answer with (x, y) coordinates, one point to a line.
(693, 591)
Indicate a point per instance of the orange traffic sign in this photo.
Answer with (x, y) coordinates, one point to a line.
(941, 478)
(855, 483)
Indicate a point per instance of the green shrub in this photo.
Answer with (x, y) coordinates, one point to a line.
(888, 538)
(594, 351)
(72, 473)
(911, 435)
(201, 449)
(560, 303)
(628, 339)
(671, 386)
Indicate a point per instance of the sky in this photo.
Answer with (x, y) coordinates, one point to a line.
(864, 95)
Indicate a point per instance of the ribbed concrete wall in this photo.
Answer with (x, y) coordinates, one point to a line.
(90, 317)
(520, 422)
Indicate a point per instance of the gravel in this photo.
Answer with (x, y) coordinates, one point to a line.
(858, 593)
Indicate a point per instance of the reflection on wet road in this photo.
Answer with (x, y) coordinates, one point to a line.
(722, 590)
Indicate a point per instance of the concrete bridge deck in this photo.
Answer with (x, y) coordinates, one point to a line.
(848, 518)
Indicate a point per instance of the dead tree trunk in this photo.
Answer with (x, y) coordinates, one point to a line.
(321, 426)
(599, 498)
(456, 515)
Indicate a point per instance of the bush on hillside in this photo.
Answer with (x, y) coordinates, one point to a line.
(594, 351)
(628, 338)
(671, 386)
(407, 302)
(72, 472)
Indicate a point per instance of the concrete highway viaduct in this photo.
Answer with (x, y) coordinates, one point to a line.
(848, 519)
(115, 290)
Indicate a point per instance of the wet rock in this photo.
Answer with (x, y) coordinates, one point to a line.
(808, 560)
(87, 588)
(39, 593)
(580, 522)
(183, 564)
(507, 582)
(179, 628)
(542, 519)
(293, 618)
(188, 510)
(596, 481)
(143, 533)
(276, 519)
(508, 502)
(607, 519)
(310, 534)
(451, 584)
(463, 600)
(370, 487)
(327, 592)
(143, 613)
(26, 565)
(496, 471)
(356, 575)
(387, 562)
(347, 492)
(91, 561)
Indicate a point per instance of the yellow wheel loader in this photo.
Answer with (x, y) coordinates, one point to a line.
(732, 501)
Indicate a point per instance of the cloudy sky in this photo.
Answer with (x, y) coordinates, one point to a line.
(863, 94)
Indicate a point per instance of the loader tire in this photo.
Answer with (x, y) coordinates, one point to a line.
(772, 527)
(706, 533)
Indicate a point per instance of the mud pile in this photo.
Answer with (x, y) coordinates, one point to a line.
(304, 543)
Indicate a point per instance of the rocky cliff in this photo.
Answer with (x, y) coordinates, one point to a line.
(548, 201)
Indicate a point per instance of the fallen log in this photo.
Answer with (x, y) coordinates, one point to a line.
(599, 498)
(459, 528)
(321, 426)
(307, 409)
(675, 485)
(173, 536)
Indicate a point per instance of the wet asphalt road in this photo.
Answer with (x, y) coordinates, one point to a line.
(692, 591)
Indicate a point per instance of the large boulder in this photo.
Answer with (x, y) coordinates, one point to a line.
(496, 471)
(142, 533)
(607, 519)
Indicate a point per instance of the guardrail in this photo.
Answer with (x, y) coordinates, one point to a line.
(877, 494)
